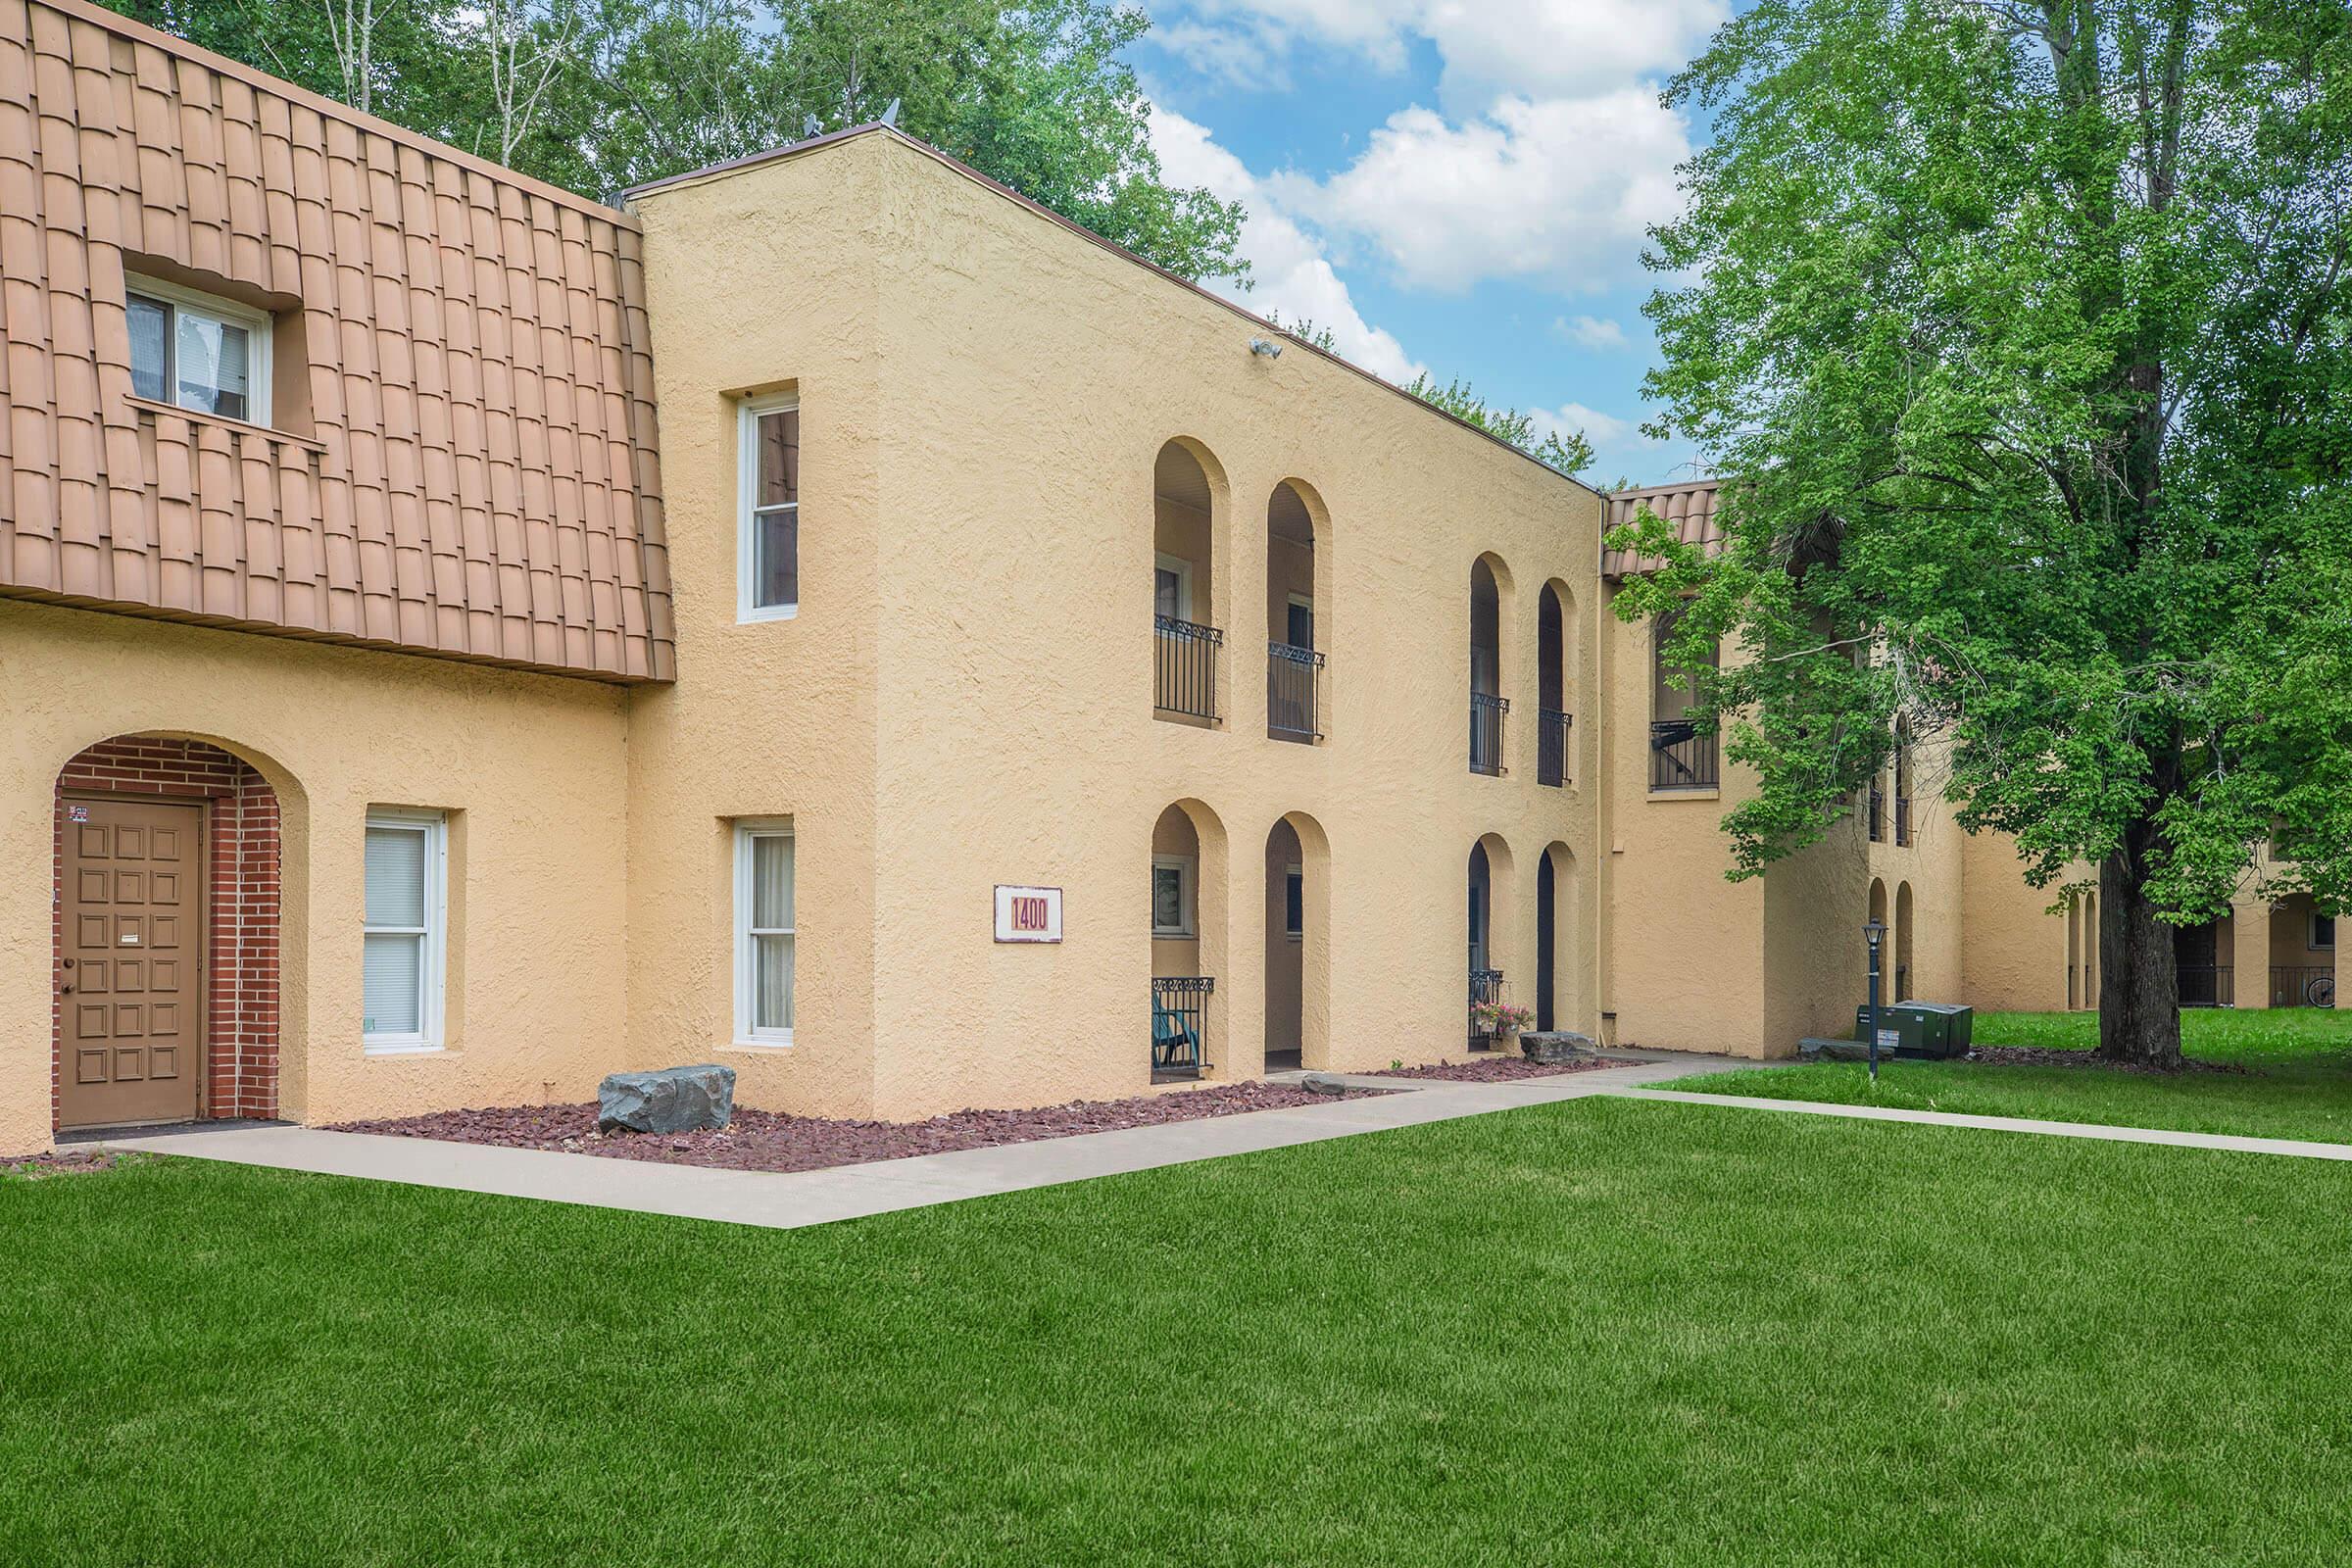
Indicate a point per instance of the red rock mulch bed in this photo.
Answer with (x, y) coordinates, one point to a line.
(61, 1162)
(1498, 1068)
(2040, 1056)
(767, 1139)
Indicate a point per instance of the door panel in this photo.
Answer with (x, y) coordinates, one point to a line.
(127, 979)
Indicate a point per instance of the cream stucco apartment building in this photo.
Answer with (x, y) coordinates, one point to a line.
(459, 639)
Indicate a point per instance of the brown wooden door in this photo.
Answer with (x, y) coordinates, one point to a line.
(130, 1046)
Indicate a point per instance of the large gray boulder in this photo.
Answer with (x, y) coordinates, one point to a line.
(672, 1100)
(1553, 1046)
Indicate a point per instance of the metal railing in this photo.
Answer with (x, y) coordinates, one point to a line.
(1877, 815)
(2207, 985)
(1185, 667)
(1487, 712)
(1485, 985)
(1552, 745)
(1180, 1024)
(1902, 819)
(1682, 755)
(1293, 682)
(2302, 985)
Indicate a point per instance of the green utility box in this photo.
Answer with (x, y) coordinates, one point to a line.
(1922, 1029)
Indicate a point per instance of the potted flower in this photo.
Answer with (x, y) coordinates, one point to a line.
(1499, 1019)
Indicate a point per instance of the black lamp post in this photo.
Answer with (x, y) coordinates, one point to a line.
(1876, 933)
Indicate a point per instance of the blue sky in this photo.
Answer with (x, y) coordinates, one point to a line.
(1460, 185)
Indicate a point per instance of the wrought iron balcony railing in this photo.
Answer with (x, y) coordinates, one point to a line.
(2302, 985)
(1683, 756)
(1902, 819)
(1487, 712)
(1184, 671)
(1877, 816)
(1180, 1024)
(2207, 985)
(1293, 682)
(1485, 985)
(1552, 745)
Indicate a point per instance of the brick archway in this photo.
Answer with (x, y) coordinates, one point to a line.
(233, 1051)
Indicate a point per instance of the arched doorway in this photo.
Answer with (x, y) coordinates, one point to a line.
(1188, 939)
(1552, 719)
(1297, 960)
(1555, 922)
(1295, 614)
(1490, 588)
(1902, 943)
(1490, 937)
(1878, 915)
(166, 864)
(1188, 526)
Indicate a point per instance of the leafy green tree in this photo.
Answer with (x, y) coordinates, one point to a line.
(1570, 452)
(2027, 326)
(598, 95)
(400, 58)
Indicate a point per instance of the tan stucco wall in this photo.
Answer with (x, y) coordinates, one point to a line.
(770, 718)
(532, 766)
(2015, 954)
(984, 396)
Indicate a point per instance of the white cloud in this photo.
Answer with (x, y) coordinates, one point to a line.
(1585, 331)
(1601, 429)
(1532, 48)
(1558, 191)
(1292, 277)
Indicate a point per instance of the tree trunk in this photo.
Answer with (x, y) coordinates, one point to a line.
(2139, 984)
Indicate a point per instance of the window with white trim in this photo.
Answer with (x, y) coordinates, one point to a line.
(1171, 896)
(2322, 931)
(764, 933)
(198, 353)
(1172, 587)
(767, 563)
(406, 907)
(1293, 904)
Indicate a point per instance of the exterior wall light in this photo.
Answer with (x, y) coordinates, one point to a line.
(1266, 347)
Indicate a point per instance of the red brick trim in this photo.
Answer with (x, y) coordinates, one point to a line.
(241, 924)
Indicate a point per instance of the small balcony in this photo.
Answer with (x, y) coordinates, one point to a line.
(2299, 985)
(1683, 756)
(1294, 693)
(1902, 819)
(1487, 712)
(2207, 985)
(1485, 985)
(1180, 1026)
(1183, 668)
(1552, 745)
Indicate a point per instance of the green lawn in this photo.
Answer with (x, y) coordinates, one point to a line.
(1601, 1331)
(2299, 1083)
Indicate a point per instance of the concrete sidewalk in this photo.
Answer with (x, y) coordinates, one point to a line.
(785, 1199)
(2303, 1147)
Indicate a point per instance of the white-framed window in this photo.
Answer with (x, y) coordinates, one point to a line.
(2322, 931)
(406, 913)
(764, 932)
(1299, 622)
(1172, 896)
(767, 560)
(1172, 587)
(198, 353)
(1293, 904)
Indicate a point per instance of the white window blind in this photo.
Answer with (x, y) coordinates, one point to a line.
(198, 353)
(765, 933)
(769, 555)
(400, 962)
